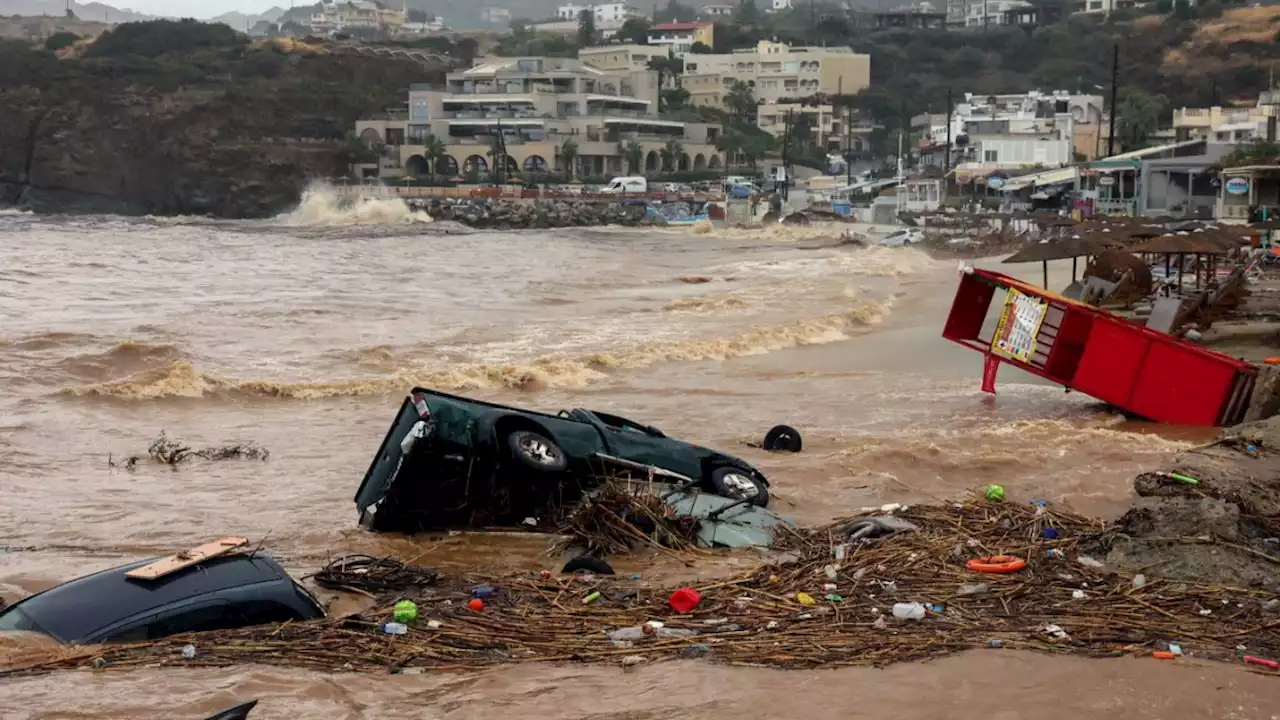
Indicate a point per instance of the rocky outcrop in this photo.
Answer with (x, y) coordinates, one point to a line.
(158, 138)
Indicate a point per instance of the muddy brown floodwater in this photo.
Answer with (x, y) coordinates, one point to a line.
(302, 333)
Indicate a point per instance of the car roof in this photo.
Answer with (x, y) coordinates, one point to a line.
(77, 608)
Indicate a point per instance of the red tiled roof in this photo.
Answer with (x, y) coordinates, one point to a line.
(681, 25)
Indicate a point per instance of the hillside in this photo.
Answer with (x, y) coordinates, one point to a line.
(182, 118)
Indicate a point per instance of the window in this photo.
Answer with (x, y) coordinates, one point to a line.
(990, 156)
(419, 109)
(203, 618)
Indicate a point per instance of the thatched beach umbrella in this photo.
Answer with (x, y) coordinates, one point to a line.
(1074, 247)
(1181, 244)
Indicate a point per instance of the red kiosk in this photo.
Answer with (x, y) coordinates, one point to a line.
(1139, 370)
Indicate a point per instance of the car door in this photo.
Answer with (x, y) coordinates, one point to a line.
(188, 616)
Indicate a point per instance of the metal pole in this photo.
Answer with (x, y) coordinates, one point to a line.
(1115, 75)
(947, 167)
(848, 146)
(786, 162)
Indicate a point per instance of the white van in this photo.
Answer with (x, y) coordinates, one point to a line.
(618, 185)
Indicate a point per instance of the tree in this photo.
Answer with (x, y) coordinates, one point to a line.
(586, 28)
(671, 154)
(701, 48)
(60, 40)
(634, 30)
(467, 49)
(740, 101)
(747, 14)
(676, 12)
(633, 151)
(415, 15)
(673, 99)
(1137, 116)
(434, 150)
(569, 151)
(801, 130)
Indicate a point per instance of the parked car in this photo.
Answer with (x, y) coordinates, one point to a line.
(220, 593)
(450, 461)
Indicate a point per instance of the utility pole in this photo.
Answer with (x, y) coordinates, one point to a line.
(813, 22)
(1115, 79)
(786, 157)
(946, 168)
(848, 146)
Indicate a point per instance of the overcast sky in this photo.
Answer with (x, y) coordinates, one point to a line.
(198, 8)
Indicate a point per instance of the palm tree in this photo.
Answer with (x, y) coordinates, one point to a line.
(671, 153)
(433, 148)
(634, 153)
(739, 99)
(569, 151)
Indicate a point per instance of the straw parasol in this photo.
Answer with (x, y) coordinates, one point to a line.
(1076, 246)
(1182, 244)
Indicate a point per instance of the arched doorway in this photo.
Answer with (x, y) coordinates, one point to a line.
(699, 162)
(475, 164)
(510, 165)
(417, 166)
(447, 165)
(651, 161)
(684, 161)
(536, 164)
(714, 162)
(371, 137)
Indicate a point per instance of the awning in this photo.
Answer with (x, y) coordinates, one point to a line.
(1050, 177)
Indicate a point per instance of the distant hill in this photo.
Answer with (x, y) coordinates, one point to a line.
(95, 11)
(240, 21)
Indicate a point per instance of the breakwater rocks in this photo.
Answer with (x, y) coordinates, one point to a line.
(510, 214)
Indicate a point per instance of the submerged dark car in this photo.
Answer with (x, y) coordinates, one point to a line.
(221, 593)
(450, 462)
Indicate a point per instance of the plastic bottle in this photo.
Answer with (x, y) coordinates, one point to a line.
(1139, 580)
(395, 628)
(908, 611)
(627, 634)
(189, 651)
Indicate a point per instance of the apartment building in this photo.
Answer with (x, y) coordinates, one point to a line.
(1025, 130)
(620, 58)
(1193, 123)
(334, 17)
(1101, 7)
(987, 13)
(495, 15)
(828, 125)
(538, 104)
(609, 15)
(717, 11)
(680, 36)
(775, 71)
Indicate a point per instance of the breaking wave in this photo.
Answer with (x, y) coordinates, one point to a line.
(323, 206)
(705, 303)
(127, 357)
(180, 378)
(14, 212)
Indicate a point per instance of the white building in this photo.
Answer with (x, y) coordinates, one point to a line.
(338, 15)
(607, 15)
(495, 15)
(780, 5)
(717, 10)
(984, 13)
(1027, 130)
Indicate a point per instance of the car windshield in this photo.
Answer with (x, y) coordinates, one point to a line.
(15, 619)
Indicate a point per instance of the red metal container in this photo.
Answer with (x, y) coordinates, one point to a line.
(1138, 370)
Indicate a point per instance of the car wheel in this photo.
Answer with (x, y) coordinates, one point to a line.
(536, 451)
(782, 438)
(738, 484)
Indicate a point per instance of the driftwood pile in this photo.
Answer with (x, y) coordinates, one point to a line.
(1061, 602)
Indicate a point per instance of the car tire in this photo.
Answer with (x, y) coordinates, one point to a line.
(536, 452)
(782, 438)
(732, 482)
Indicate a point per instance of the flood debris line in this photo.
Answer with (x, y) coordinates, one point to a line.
(167, 451)
(625, 516)
(826, 600)
(374, 575)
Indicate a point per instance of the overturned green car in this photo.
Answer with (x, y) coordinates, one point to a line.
(451, 462)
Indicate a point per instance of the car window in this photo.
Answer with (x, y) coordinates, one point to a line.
(203, 618)
(15, 619)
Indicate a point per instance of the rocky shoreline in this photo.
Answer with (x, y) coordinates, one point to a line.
(509, 214)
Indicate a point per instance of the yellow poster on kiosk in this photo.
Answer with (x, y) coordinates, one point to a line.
(1020, 321)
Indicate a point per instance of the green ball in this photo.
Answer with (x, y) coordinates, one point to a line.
(405, 611)
(995, 493)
